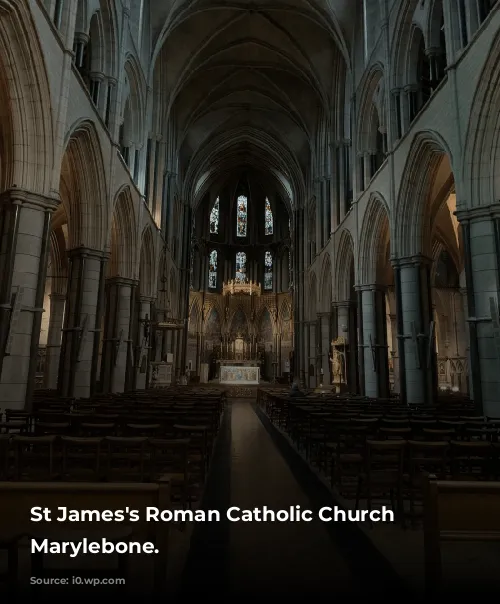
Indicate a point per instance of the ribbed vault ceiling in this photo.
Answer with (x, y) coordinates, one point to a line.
(244, 83)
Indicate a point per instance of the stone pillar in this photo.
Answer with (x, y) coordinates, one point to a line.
(24, 233)
(481, 240)
(117, 333)
(417, 354)
(324, 342)
(143, 342)
(54, 338)
(81, 322)
(312, 353)
(463, 293)
(376, 366)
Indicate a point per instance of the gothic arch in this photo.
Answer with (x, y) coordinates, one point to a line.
(133, 105)
(26, 125)
(481, 165)
(413, 226)
(373, 241)
(58, 262)
(343, 273)
(371, 108)
(123, 237)
(83, 182)
(147, 264)
(325, 298)
(195, 324)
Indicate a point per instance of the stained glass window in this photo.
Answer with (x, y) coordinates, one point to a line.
(268, 271)
(241, 266)
(268, 222)
(241, 216)
(214, 218)
(212, 270)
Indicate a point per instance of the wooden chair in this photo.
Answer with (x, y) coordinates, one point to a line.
(81, 458)
(126, 458)
(34, 457)
(383, 473)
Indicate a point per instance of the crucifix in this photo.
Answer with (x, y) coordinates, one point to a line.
(118, 341)
(417, 338)
(83, 330)
(373, 349)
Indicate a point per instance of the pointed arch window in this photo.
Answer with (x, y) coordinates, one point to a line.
(268, 219)
(241, 216)
(214, 218)
(268, 271)
(212, 270)
(241, 266)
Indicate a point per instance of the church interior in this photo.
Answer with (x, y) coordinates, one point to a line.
(250, 258)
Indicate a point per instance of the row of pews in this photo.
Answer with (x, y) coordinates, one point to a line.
(437, 467)
(137, 449)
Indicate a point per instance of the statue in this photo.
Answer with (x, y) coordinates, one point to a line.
(338, 362)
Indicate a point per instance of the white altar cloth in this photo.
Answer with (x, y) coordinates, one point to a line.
(246, 376)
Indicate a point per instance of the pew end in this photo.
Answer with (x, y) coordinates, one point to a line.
(456, 511)
(18, 498)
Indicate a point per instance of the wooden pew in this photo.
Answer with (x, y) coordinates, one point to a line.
(457, 511)
(17, 499)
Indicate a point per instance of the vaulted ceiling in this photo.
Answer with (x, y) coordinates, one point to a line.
(244, 84)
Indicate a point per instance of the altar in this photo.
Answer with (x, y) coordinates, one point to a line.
(242, 375)
(233, 363)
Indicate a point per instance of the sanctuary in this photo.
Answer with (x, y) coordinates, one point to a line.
(240, 303)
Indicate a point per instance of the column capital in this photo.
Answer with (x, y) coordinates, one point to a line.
(81, 37)
(373, 287)
(57, 296)
(117, 280)
(342, 304)
(86, 252)
(146, 299)
(479, 213)
(410, 88)
(434, 51)
(98, 76)
(323, 314)
(29, 199)
(417, 260)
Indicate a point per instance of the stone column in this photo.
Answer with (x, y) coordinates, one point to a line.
(54, 338)
(24, 232)
(324, 341)
(376, 367)
(80, 329)
(481, 240)
(117, 333)
(417, 354)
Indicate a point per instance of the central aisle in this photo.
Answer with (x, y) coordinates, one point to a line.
(247, 560)
(296, 557)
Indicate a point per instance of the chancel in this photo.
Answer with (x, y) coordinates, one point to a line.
(240, 301)
(250, 261)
